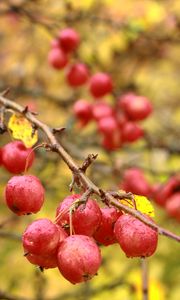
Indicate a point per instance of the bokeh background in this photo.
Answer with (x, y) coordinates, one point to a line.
(138, 44)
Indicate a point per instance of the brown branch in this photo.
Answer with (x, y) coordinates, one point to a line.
(10, 235)
(88, 161)
(144, 274)
(78, 173)
(8, 220)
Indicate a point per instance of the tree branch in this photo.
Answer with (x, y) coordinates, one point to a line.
(144, 274)
(77, 172)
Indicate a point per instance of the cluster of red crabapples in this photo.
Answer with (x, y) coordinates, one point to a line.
(118, 124)
(166, 195)
(72, 242)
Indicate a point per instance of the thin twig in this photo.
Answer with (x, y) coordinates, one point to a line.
(10, 235)
(8, 220)
(144, 274)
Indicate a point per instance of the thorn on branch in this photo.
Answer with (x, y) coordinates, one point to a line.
(26, 110)
(58, 130)
(5, 92)
(88, 161)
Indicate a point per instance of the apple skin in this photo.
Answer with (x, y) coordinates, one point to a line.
(79, 258)
(135, 238)
(14, 156)
(24, 194)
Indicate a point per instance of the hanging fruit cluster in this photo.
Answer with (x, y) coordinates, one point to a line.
(72, 241)
(118, 124)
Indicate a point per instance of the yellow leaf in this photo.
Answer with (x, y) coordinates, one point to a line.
(21, 129)
(141, 203)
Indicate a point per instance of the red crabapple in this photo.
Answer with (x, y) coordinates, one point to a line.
(57, 58)
(105, 232)
(43, 261)
(85, 219)
(63, 210)
(107, 125)
(100, 84)
(124, 99)
(121, 118)
(131, 132)
(55, 43)
(112, 142)
(135, 182)
(83, 110)
(69, 39)
(173, 206)
(136, 107)
(41, 237)
(101, 110)
(24, 194)
(134, 237)
(15, 155)
(77, 75)
(167, 190)
(155, 189)
(0, 156)
(79, 258)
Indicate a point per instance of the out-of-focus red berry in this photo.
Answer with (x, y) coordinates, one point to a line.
(57, 58)
(173, 206)
(83, 110)
(107, 125)
(77, 75)
(100, 84)
(135, 182)
(101, 110)
(166, 190)
(131, 132)
(112, 142)
(68, 39)
(136, 107)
